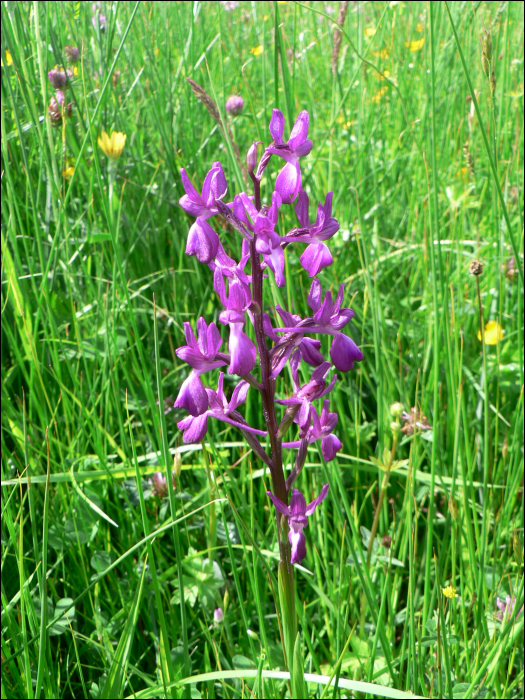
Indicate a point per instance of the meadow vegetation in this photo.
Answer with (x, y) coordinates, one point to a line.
(110, 577)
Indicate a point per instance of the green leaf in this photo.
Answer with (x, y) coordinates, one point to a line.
(298, 684)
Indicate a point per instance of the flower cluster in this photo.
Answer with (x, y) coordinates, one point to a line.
(59, 78)
(240, 291)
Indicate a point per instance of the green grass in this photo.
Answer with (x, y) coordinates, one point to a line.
(95, 290)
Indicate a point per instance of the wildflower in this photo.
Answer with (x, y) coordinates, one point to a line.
(57, 107)
(57, 78)
(382, 53)
(420, 28)
(160, 484)
(256, 50)
(229, 5)
(203, 356)
(242, 350)
(218, 616)
(298, 513)
(314, 389)
(396, 409)
(288, 181)
(305, 348)
(414, 419)
(509, 268)
(72, 53)
(234, 104)
(8, 58)
(214, 188)
(506, 608)
(69, 172)
(415, 45)
(493, 333)
(194, 427)
(112, 145)
(317, 255)
(369, 32)
(320, 429)
(330, 319)
(377, 96)
(98, 20)
(449, 592)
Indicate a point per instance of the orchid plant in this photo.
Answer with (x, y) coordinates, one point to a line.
(240, 292)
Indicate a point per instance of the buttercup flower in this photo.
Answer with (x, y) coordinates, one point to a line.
(112, 145)
(449, 592)
(493, 333)
(298, 513)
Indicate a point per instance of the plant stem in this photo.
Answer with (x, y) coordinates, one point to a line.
(267, 391)
(384, 486)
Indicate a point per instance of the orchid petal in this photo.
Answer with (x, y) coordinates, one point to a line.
(313, 505)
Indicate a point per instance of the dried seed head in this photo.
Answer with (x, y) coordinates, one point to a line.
(386, 541)
(415, 420)
(475, 268)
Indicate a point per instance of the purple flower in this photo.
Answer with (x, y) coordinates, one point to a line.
(98, 18)
(213, 188)
(202, 241)
(317, 255)
(203, 356)
(194, 427)
(288, 181)
(305, 348)
(218, 616)
(56, 107)
(320, 429)
(234, 104)
(57, 78)
(242, 350)
(298, 513)
(314, 389)
(329, 318)
(160, 484)
(506, 608)
(72, 53)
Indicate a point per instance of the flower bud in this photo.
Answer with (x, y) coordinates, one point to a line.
(72, 53)
(234, 105)
(475, 268)
(396, 409)
(57, 78)
(386, 541)
(395, 425)
(218, 616)
(177, 464)
(251, 157)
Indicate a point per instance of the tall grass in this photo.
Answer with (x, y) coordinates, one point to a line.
(109, 590)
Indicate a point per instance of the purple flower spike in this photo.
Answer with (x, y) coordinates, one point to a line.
(243, 354)
(213, 188)
(288, 181)
(298, 513)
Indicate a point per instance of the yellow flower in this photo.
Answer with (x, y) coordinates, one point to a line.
(68, 172)
(379, 94)
(449, 592)
(256, 50)
(415, 45)
(75, 71)
(420, 28)
(8, 58)
(493, 333)
(381, 54)
(369, 32)
(386, 73)
(112, 145)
